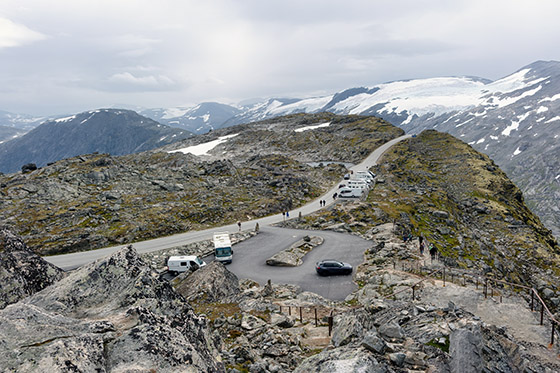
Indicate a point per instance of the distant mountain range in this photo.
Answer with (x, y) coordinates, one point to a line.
(515, 120)
(111, 131)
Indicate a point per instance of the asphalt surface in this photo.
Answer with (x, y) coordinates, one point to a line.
(249, 260)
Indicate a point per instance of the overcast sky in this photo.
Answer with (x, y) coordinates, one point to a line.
(67, 56)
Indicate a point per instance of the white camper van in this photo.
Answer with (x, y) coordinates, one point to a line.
(356, 184)
(367, 176)
(350, 192)
(222, 247)
(178, 264)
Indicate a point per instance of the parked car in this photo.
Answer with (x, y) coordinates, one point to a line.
(333, 267)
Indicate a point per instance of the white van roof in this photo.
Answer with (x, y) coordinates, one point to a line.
(182, 257)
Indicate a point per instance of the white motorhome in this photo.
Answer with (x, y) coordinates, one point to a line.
(222, 247)
(350, 192)
(356, 184)
(178, 264)
(365, 175)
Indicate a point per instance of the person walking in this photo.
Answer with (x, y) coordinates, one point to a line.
(433, 252)
(421, 248)
(239, 225)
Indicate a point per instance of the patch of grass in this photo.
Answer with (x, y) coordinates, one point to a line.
(442, 346)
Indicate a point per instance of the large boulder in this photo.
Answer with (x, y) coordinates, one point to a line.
(111, 315)
(22, 273)
(342, 359)
(211, 283)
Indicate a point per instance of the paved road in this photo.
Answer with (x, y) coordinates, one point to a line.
(250, 260)
(74, 260)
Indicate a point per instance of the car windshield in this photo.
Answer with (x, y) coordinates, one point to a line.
(199, 261)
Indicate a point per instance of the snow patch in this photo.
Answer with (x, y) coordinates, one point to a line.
(494, 137)
(175, 112)
(465, 122)
(553, 119)
(308, 105)
(65, 119)
(513, 127)
(542, 109)
(204, 148)
(480, 141)
(312, 127)
(553, 98)
(516, 152)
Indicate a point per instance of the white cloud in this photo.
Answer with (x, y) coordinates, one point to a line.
(167, 53)
(13, 34)
(147, 81)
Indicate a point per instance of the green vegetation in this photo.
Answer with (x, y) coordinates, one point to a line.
(442, 346)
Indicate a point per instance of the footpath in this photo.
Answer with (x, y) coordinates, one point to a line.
(507, 310)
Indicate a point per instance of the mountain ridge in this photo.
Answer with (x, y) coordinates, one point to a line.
(114, 131)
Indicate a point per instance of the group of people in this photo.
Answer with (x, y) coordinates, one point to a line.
(322, 203)
(422, 246)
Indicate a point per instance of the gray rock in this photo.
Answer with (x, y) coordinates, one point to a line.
(391, 330)
(465, 348)
(349, 327)
(441, 214)
(282, 320)
(211, 283)
(343, 359)
(373, 342)
(397, 358)
(22, 273)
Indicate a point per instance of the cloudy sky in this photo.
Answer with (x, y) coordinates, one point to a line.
(67, 56)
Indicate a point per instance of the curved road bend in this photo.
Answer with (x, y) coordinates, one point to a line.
(74, 260)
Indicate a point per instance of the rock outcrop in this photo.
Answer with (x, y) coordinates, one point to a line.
(211, 283)
(113, 315)
(293, 256)
(22, 272)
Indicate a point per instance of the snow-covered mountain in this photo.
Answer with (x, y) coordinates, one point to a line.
(198, 119)
(15, 125)
(113, 131)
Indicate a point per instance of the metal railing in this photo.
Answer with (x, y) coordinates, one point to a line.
(415, 267)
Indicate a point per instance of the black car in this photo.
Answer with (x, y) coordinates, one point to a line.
(333, 267)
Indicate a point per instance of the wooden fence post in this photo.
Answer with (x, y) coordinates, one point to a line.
(316, 322)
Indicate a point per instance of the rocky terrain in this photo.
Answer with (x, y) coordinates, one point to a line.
(438, 187)
(97, 200)
(119, 314)
(115, 315)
